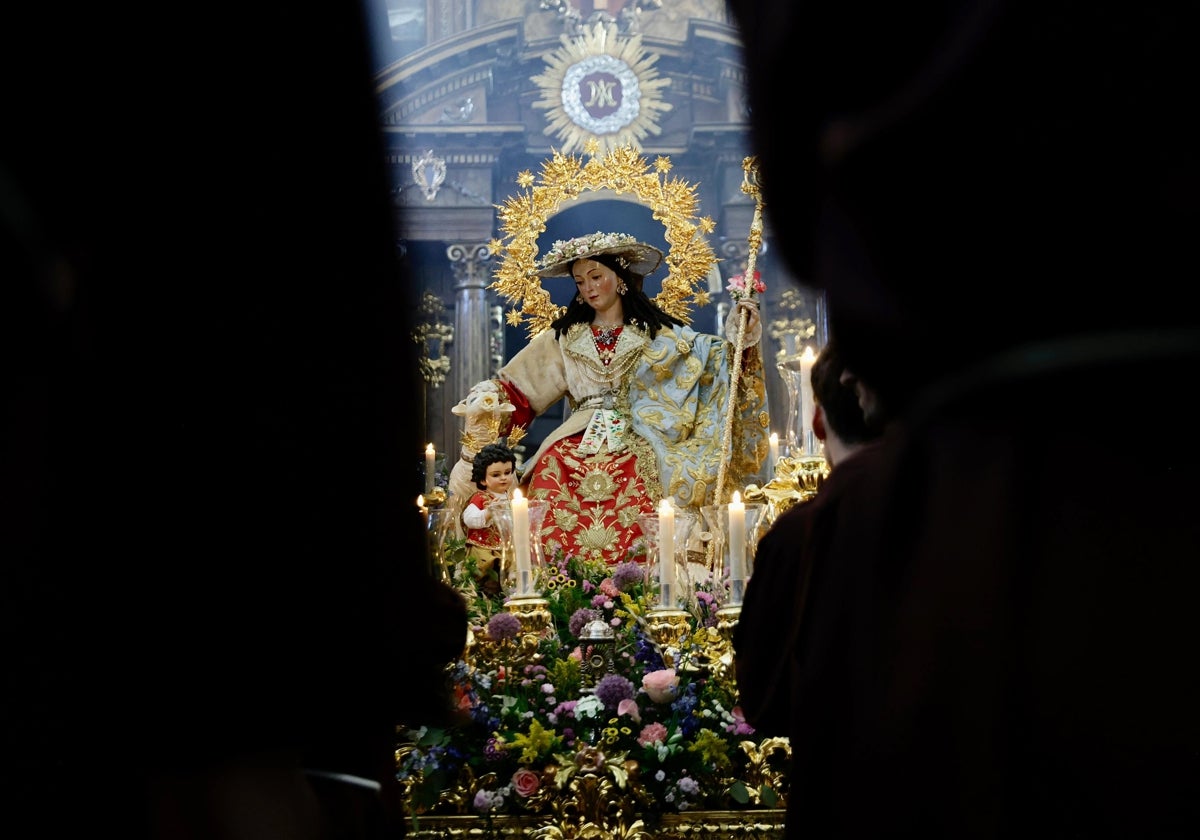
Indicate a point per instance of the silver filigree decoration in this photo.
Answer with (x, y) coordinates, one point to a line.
(572, 96)
(429, 172)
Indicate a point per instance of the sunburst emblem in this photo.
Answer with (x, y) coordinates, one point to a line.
(601, 85)
(564, 178)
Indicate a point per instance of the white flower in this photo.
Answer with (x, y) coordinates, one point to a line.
(589, 706)
(568, 249)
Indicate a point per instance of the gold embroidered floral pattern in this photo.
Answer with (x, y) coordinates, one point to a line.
(597, 486)
(594, 500)
(596, 537)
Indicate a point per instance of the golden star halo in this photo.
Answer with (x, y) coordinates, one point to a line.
(622, 170)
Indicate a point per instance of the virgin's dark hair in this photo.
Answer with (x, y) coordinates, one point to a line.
(493, 453)
(636, 305)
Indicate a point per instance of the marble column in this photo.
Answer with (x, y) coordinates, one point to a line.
(471, 264)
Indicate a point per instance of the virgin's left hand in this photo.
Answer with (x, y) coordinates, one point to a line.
(753, 333)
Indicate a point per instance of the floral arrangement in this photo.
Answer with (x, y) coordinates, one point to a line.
(591, 243)
(738, 289)
(532, 713)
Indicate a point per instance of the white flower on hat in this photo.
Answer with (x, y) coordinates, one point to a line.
(572, 249)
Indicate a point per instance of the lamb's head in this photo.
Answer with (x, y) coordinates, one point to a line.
(484, 410)
(485, 397)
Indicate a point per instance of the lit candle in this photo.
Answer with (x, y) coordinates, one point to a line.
(737, 548)
(666, 553)
(424, 510)
(429, 460)
(808, 440)
(520, 530)
(772, 454)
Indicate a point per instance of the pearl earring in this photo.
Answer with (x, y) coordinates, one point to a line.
(622, 288)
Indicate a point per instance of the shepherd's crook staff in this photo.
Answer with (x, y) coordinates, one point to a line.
(750, 186)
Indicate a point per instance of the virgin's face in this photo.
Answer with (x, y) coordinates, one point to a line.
(596, 284)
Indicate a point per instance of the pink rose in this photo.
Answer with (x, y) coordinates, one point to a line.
(662, 686)
(629, 707)
(654, 733)
(525, 782)
(738, 289)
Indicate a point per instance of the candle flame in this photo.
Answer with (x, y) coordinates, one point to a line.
(774, 438)
(737, 498)
(429, 449)
(665, 506)
(517, 493)
(421, 500)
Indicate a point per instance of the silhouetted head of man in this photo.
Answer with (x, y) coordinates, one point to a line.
(967, 177)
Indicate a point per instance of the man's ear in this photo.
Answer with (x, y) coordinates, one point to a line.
(818, 422)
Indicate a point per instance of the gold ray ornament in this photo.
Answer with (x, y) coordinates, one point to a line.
(564, 178)
(601, 86)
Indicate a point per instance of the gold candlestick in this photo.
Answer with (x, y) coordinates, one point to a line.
(668, 627)
(533, 612)
(727, 619)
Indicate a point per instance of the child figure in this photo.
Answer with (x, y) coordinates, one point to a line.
(494, 473)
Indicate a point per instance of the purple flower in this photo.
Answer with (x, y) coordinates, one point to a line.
(580, 618)
(503, 626)
(612, 689)
(494, 749)
(627, 575)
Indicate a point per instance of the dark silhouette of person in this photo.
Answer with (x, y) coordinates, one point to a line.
(996, 199)
(795, 548)
(216, 603)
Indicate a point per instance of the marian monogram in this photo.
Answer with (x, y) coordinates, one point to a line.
(601, 94)
(604, 86)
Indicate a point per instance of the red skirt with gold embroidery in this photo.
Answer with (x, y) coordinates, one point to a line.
(594, 502)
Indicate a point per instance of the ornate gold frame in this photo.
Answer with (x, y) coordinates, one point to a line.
(764, 824)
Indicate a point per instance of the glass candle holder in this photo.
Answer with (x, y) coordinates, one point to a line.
(716, 520)
(510, 578)
(679, 587)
